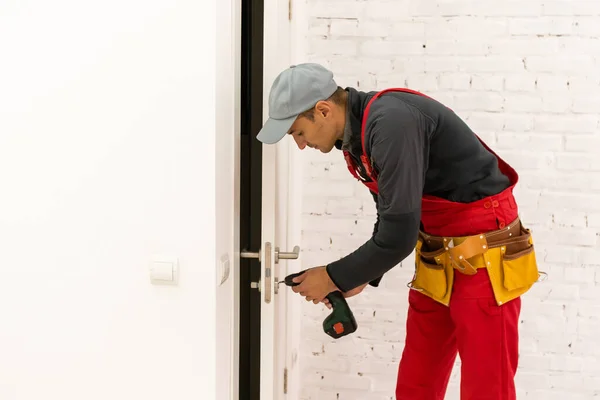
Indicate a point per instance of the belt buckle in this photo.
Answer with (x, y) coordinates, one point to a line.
(463, 265)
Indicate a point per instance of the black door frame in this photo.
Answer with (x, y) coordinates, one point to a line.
(252, 19)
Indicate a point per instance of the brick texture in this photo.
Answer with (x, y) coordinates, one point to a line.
(526, 76)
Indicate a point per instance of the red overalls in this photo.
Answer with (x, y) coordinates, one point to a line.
(483, 333)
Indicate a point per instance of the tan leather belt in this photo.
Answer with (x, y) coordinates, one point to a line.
(460, 250)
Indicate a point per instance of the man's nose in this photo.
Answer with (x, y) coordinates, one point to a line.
(300, 142)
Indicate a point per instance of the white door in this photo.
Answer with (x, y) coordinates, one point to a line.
(280, 223)
(276, 213)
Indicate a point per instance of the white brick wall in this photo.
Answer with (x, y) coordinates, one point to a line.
(526, 76)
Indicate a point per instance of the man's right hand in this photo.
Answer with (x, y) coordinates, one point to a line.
(347, 294)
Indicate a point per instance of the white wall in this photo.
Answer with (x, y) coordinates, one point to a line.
(526, 76)
(106, 158)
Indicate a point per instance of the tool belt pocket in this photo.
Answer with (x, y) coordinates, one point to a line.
(512, 267)
(432, 276)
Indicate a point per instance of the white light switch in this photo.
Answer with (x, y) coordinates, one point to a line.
(163, 271)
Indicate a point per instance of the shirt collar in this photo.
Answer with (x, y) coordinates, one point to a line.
(354, 110)
(347, 139)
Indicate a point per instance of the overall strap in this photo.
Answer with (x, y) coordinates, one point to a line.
(364, 158)
(367, 109)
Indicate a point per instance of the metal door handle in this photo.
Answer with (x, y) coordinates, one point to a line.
(279, 255)
(250, 254)
(286, 255)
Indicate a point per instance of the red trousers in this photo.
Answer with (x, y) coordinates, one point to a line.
(484, 334)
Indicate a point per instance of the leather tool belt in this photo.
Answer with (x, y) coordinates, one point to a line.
(508, 255)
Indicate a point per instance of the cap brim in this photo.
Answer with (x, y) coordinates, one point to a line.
(275, 129)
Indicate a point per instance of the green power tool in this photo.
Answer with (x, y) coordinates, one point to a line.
(341, 321)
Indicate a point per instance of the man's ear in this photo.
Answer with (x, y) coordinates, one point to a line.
(323, 108)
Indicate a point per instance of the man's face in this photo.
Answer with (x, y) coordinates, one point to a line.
(320, 134)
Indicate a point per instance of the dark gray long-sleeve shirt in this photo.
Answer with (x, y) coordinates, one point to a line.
(417, 146)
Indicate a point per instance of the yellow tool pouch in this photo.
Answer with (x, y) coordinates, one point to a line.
(507, 254)
(434, 276)
(512, 267)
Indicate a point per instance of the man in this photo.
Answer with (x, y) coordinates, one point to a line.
(440, 191)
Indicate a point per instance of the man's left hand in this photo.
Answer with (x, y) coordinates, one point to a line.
(315, 284)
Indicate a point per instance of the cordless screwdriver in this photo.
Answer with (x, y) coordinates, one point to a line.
(341, 321)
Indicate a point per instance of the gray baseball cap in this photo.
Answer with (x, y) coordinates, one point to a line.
(295, 90)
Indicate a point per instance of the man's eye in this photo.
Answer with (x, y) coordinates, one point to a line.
(299, 133)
